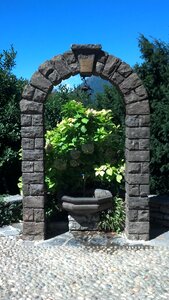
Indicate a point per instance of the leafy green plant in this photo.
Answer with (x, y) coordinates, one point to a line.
(113, 219)
(79, 145)
(9, 212)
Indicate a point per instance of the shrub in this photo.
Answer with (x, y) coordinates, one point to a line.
(10, 212)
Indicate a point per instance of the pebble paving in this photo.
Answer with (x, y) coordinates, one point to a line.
(30, 271)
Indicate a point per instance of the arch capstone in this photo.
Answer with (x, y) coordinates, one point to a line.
(86, 60)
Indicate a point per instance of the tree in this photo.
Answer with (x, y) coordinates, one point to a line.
(154, 72)
(10, 95)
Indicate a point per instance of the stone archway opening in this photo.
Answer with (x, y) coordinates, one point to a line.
(86, 60)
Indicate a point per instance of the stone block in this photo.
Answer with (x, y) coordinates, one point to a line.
(74, 68)
(132, 121)
(27, 143)
(28, 214)
(144, 237)
(27, 166)
(144, 120)
(55, 77)
(124, 69)
(145, 168)
(33, 155)
(32, 132)
(39, 166)
(138, 108)
(137, 178)
(110, 66)
(33, 228)
(138, 227)
(39, 143)
(69, 57)
(132, 97)
(138, 132)
(132, 189)
(99, 68)
(61, 67)
(40, 82)
(137, 156)
(28, 178)
(31, 107)
(144, 190)
(26, 189)
(132, 144)
(144, 144)
(46, 68)
(39, 96)
(86, 63)
(132, 215)
(133, 167)
(82, 223)
(36, 189)
(137, 202)
(143, 215)
(39, 215)
(28, 92)
(130, 83)
(86, 47)
(37, 120)
(141, 92)
(33, 202)
(116, 78)
(26, 120)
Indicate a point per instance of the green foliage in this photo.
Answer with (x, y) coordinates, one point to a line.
(83, 141)
(9, 212)
(154, 71)
(113, 219)
(10, 95)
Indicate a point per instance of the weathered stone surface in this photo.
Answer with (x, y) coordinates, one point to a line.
(132, 144)
(141, 91)
(37, 120)
(144, 144)
(86, 63)
(33, 178)
(124, 69)
(144, 190)
(132, 97)
(26, 189)
(82, 223)
(32, 131)
(132, 215)
(144, 236)
(100, 193)
(33, 228)
(133, 167)
(39, 215)
(46, 68)
(28, 143)
(28, 92)
(30, 107)
(61, 67)
(26, 120)
(75, 47)
(27, 214)
(137, 156)
(116, 78)
(137, 178)
(138, 133)
(138, 227)
(39, 96)
(32, 155)
(99, 68)
(40, 82)
(69, 57)
(138, 108)
(110, 66)
(27, 166)
(132, 189)
(137, 202)
(130, 83)
(36, 189)
(132, 121)
(39, 143)
(39, 166)
(55, 77)
(145, 167)
(75, 68)
(144, 120)
(34, 201)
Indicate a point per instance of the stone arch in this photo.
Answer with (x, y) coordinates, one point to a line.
(86, 60)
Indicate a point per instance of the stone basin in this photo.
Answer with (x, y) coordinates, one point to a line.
(102, 200)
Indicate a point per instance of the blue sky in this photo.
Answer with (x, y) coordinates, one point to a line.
(40, 29)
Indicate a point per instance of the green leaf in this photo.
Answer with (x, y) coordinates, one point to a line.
(119, 178)
(83, 129)
(85, 120)
(109, 171)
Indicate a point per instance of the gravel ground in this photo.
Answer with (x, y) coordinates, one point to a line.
(30, 271)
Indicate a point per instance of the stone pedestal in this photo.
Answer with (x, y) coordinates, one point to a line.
(83, 223)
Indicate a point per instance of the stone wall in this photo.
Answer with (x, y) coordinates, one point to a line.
(86, 60)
